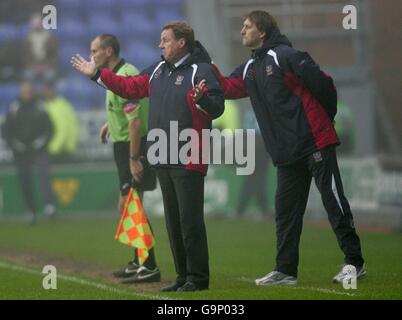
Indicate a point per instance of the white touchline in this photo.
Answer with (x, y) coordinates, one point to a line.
(323, 290)
(85, 282)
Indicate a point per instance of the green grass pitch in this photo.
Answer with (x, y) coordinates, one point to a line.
(84, 253)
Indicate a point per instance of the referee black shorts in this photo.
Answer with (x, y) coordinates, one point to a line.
(121, 151)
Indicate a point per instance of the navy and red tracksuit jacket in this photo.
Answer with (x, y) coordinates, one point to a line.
(293, 100)
(170, 91)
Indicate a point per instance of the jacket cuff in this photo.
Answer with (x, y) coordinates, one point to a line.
(98, 80)
(203, 103)
(97, 76)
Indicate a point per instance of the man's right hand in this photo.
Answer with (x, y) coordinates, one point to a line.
(104, 133)
(137, 169)
(87, 68)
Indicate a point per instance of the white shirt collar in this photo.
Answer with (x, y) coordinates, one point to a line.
(178, 63)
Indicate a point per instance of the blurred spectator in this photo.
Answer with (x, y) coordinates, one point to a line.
(40, 52)
(346, 129)
(255, 184)
(27, 131)
(65, 123)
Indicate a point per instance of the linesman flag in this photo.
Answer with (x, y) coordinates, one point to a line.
(133, 228)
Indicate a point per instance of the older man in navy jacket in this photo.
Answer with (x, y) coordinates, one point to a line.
(170, 85)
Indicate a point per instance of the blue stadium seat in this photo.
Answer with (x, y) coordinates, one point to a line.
(83, 93)
(133, 3)
(9, 32)
(102, 22)
(141, 54)
(69, 48)
(170, 3)
(71, 27)
(68, 4)
(9, 92)
(137, 24)
(23, 31)
(165, 16)
(104, 4)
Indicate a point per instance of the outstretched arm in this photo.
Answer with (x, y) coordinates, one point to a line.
(234, 86)
(132, 87)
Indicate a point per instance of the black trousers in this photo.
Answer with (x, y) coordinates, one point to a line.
(290, 204)
(183, 201)
(26, 163)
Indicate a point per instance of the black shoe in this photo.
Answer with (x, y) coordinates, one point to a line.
(128, 271)
(190, 286)
(144, 275)
(172, 287)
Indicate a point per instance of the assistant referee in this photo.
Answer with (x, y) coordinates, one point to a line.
(127, 126)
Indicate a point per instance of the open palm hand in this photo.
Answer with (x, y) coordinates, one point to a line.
(86, 67)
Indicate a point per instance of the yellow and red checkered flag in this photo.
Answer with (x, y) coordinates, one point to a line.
(133, 228)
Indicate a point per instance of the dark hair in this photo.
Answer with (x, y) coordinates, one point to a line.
(263, 20)
(182, 30)
(110, 40)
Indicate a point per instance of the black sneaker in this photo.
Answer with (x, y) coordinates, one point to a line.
(172, 287)
(190, 286)
(128, 271)
(144, 275)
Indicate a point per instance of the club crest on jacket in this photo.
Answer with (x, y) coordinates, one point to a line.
(268, 70)
(317, 156)
(179, 80)
(157, 73)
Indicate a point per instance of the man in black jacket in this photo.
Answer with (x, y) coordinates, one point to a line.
(295, 105)
(170, 84)
(27, 131)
